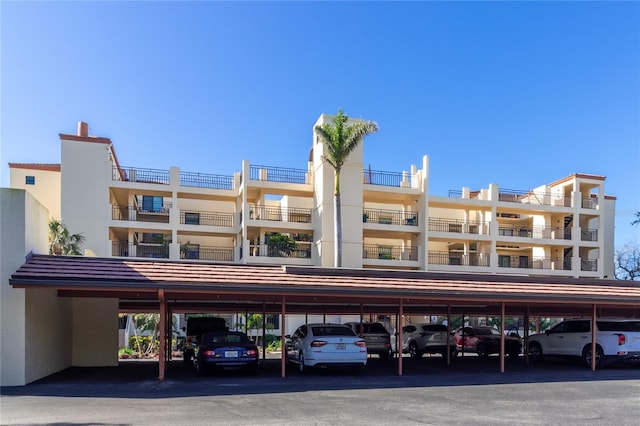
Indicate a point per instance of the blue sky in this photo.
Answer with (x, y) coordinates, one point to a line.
(514, 93)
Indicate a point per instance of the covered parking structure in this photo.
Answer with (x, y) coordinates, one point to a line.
(170, 287)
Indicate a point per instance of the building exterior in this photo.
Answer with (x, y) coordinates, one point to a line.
(268, 215)
(390, 219)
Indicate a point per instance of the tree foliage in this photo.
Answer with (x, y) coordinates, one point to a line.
(341, 138)
(627, 262)
(61, 242)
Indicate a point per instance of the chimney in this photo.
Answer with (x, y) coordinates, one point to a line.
(83, 129)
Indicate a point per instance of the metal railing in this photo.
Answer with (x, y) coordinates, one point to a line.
(127, 249)
(139, 215)
(528, 262)
(225, 254)
(278, 174)
(206, 218)
(131, 174)
(589, 202)
(390, 217)
(203, 180)
(280, 214)
(374, 251)
(588, 265)
(549, 232)
(393, 179)
(458, 259)
(589, 235)
(458, 226)
(294, 251)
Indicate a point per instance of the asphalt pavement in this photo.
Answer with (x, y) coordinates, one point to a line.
(471, 391)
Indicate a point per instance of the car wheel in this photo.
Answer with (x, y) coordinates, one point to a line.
(301, 367)
(514, 354)
(384, 355)
(413, 351)
(481, 350)
(535, 352)
(586, 355)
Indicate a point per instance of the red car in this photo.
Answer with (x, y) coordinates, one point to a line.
(485, 340)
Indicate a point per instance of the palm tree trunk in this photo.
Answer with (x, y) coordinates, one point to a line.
(337, 215)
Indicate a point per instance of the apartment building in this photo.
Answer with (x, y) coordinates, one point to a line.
(265, 214)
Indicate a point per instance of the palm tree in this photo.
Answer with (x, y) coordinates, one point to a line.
(341, 138)
(61, 242)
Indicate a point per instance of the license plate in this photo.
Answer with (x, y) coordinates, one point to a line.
(231, 354)
(342, 346)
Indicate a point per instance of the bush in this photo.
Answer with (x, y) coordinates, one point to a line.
(147, 346)
(274, 344)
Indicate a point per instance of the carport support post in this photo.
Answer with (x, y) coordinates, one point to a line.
(264, 332)
(283, 351)
(526, 336)
(448, 334)
(163, 335)
(399, 344)
(502, 313)
(593, 338)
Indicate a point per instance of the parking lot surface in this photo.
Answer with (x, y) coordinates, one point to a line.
(470, 391)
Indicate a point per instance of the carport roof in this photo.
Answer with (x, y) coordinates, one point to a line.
(115, 277)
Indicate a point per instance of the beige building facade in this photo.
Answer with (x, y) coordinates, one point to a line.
(268, 215)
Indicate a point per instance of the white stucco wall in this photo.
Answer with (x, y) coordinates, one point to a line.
(46, 188)
(34, 334)
(95, 332)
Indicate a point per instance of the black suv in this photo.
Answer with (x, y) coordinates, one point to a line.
(376, 337)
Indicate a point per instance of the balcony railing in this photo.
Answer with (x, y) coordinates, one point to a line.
(202, 180)
(458, 226)
(139, 215)
(297, 251)
(374, 251)
(551, 232)
(527, 262)
(589, 202)
(280, 214)
(458, 259)
(130, 174)
(206, 218)
(588, 265)
(194, 252)
(589, 235)
(393, 179)
(125, 249)
(390, 217)
(278, 174)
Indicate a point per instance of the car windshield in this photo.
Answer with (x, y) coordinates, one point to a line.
(224, 338)
(374, 328)
(329, 330)
(434, 327)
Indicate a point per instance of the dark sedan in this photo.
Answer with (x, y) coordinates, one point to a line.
(485, 340)
(225, 349)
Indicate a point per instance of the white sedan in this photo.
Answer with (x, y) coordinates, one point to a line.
(324, 345)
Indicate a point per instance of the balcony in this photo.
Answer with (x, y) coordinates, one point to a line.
(280, 214)
(390, 217)
(134, 214)
(588, 235)
(374, 251)
(197, 252)
(533, 197)
(458, 226)
(278, 174)
(527, 262)
(206, 218)
(458, 259)
(551, 232)
(130, 174)
(126, 249)
(202, 180)
(392, 179)
(287, 250)
(590, 265)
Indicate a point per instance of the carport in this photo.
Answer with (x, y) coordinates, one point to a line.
(174, 287)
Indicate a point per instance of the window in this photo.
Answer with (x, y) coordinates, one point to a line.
(192, 218)
(190, 251)
(30, 180)
(504, 261)
(151, 203)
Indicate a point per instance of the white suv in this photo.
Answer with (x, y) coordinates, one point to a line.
(616, 340)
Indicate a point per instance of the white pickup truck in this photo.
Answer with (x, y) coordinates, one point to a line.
(617, 340)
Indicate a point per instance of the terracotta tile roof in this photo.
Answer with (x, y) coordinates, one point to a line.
(144, 275)
(35, 166)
